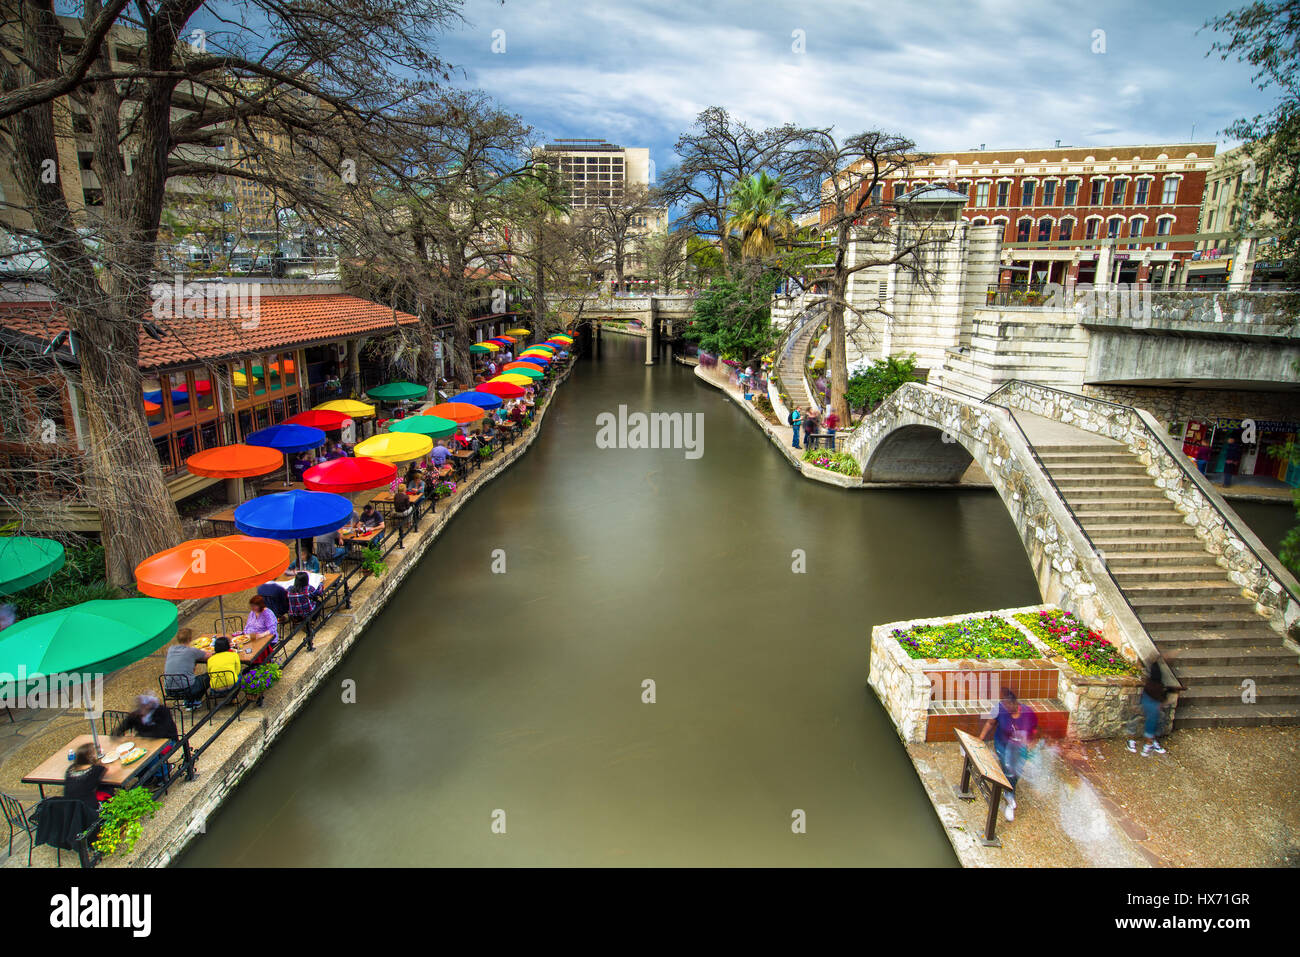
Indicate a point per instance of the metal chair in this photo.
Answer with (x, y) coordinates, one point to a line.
(233, 622)
(219, 697)
(80, 843)
(109, 720)
(17, 819)
(176, 694)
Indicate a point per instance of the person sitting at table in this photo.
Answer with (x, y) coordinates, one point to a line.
(439, 454)
(332, 451)
(301, 464)
(178, 668)
(461, 438)
(489, 433)
(276, 600)
(370, 517)
(517, 413)
(310, 563)
(224, 666)
(414, 484)
(402, 506)
(81, 780)
(150, 719)
(330, 548)
(304, 599)
(261, 623)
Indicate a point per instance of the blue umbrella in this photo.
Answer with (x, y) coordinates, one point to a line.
(483, 400)
(294, 514)
(287, 439)
(535, 360)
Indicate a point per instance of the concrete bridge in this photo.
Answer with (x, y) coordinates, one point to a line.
(661, 316)
(1120, 528)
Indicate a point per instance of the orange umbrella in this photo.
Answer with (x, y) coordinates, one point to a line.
(211, 567)
(456, 411)
(234, 461)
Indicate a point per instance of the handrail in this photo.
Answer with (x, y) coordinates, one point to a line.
(792, 332)
(1182, 462)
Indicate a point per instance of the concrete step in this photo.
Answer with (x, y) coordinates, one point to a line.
(1130, 516)
(1204, 588)
(1088, 492)
(1192, 638)
(1266, 692)
(1234, 715)
(1224, 621)
(1181, 550)
(1130, 503)
(1165, 568)
(1229, 656)
(1093, 459)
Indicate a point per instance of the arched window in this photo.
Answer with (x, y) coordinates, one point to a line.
(1170, 194)
(1044, 230)
(1092, 226)
(1023, 226)
(1067, 228)
(1027, 188)
(980, 221)
(1137, 226)
(1113, 227)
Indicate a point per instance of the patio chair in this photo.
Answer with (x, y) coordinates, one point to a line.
(233, 622)
(176, 695)
(18, 820)
(217, 697)
(65, 824)
(109, 720)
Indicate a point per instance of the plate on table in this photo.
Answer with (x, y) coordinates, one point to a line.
(204, 642)
(134, 756)
(109, 758)
(124, 748)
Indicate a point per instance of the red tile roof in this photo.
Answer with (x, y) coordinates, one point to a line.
(278, 322)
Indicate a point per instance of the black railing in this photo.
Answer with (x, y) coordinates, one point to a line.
(1183, 462)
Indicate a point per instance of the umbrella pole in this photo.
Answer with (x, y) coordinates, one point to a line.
(221, 610)
(94, 733)
(286, 470)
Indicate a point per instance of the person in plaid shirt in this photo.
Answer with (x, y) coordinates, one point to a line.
(303, 598)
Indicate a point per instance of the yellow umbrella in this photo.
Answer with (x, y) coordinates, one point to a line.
(349, 407)
(513, 379)
(518, 332)
(395, 447)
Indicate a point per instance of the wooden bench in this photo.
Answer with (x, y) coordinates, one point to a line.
(981, 759)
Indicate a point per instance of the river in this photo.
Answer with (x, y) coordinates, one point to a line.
(515, 698)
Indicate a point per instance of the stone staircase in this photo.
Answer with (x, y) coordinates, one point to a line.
(1209, 634)
(791, 366)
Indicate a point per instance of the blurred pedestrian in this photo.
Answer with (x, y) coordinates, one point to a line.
(1154, 694)
(1014, 725)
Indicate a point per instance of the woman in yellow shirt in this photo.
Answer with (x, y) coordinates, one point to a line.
(224, 665)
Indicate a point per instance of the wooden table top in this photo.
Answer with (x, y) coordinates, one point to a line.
(246, 652)
(326, 580)
(227, 516)
(982, 756)
(53, 768)
(462, 453)
(353, 537)
(271, 488)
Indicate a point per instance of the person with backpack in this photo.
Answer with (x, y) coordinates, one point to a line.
(796, 417)
(1153, 698)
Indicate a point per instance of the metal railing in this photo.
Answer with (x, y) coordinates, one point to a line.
(1182, 461)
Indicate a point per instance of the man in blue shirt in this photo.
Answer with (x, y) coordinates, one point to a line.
(440, 454)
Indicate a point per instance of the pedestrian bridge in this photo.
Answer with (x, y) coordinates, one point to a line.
(1120, 528)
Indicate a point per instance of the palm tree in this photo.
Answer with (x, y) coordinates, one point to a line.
(760, 214)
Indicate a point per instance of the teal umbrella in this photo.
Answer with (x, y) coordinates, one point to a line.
(431, 425)
(25, 561)
(397, 391)
(95, 637)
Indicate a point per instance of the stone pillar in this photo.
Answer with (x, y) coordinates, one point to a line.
(652, 336)
(1105, 264)
(1243, 262)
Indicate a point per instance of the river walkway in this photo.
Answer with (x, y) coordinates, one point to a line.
(187, 805)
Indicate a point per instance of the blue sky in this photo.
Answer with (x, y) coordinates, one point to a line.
(951, 74)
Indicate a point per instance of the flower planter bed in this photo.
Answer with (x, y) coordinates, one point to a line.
(1088, 652)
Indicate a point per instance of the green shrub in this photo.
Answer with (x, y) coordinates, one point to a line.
(841, 462)
(978, 638)
(82, 578)
(121, 819)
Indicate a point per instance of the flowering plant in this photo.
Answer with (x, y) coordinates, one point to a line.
(1088, 652)
(444, 488)
(260, 680)
(841, 462)
(979, 638)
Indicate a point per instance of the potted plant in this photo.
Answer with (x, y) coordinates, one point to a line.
(121, 820)
(372, 562)
(261, 678)
(444, 488)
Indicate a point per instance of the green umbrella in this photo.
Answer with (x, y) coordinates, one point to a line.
(430, 425)
(532, 373)
(397, 391)
(25, 561)
(95, 637)
(476, 349)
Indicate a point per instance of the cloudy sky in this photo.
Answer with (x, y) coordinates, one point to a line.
(951, 74)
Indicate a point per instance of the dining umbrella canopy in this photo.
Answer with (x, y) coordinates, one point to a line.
(234, 461)
(287, 438)
(94, 637)
(536, 354)
(26, 561)
(325, 420)
(294, 514)
(349, 407)
(395, 447)
(505, 338)
(459, 412)
(547, 352)
(481, 347)
(481, 399)
(506, 390)
(211, 568)
(563, 337)
(348, 475)
(544, 347)
(514, 379)
(527, 370)
(430, 425)
(397, 391)
(536, 362)
(521, 331)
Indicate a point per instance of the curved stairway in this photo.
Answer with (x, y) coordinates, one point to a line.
(794, 359)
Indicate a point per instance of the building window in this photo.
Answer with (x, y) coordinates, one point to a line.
(1044, 230)
(981, 194)
(1049, 193)
(1170, 195)
(1071, 192)
(1004, 193)
(980, 221)
(1143, 188)
(1090, 228)
(1022, 229)
(1098, 189)
(1164, 227)
(1136, 227)
(899, 188)
(1027, 192)
(875, 194)
(1067, 229)
(1117, 190)
(1113, 227)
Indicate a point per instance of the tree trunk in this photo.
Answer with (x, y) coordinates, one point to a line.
(835, 306)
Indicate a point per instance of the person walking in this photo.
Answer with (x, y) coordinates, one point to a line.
(1231, 459)
(1154, 694)
(796, 417)
(832, 422)
(810, 426)
(1015, 725)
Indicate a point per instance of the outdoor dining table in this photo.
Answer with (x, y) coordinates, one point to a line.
(53, 769)
(223, 523)
(463, 458)
(314, 579)
(350, 537)
(248, 653)
(271, 488)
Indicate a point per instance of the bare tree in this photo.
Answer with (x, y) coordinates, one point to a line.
(619, 218)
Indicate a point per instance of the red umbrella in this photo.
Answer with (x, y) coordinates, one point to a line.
(234, 461)
(325, 420)
(504, 390)
(343, 476)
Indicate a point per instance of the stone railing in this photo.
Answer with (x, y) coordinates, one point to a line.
(1069, 569)
(1250, 564)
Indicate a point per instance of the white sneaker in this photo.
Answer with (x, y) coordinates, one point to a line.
(1011, 812)
(1146, 750)
(1155, 746)
(1132, 745)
